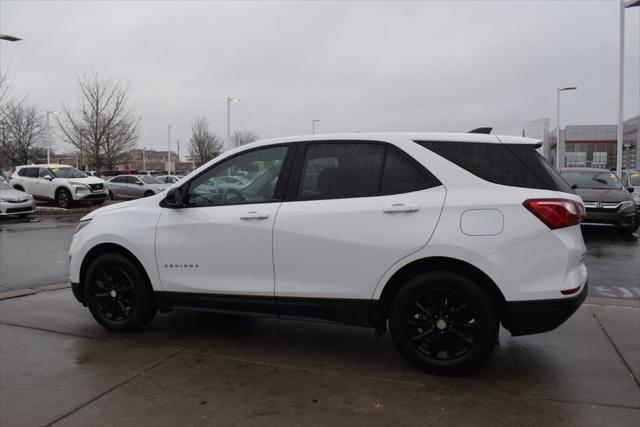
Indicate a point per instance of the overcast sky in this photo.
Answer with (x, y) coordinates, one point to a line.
(355, 66)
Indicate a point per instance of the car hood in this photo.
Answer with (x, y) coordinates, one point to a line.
(111, 208)
(13, 195)
(598, 195)
(87, 180)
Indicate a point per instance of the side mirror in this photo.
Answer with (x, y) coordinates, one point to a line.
(573, 186)
(174, 198)
(138, 183)
(630, 189)
(48, 177)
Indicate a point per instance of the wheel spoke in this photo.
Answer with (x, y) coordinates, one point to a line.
(101, 295)
(461, 336)
(122, 307)
(100, 284)
(418, 323)
(422, 335)
(458, 310)
(424, 309)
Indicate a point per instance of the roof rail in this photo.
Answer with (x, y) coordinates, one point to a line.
(484, 130)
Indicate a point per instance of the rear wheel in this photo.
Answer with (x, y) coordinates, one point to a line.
(111, 196)
(117, 294)
(149, 193)
(443, 323)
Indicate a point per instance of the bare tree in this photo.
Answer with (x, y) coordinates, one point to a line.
(104, 126)
(241, 137)
(23, 134)
(203, 144)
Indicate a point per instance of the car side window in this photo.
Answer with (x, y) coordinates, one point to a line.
(249, 177)
(341, 170)
(401, 176)
(625, 179)
(118, 180)
(29, 172)
(131, 180)
(42, 172)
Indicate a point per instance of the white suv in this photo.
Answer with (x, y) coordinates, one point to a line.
(437, 237)
(63, 184)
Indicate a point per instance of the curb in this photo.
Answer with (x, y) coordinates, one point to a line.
(31, 291)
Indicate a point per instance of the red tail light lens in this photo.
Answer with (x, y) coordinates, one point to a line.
(556, 213)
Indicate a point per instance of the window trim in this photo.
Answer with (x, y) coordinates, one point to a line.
(278, 193)
(291, 194)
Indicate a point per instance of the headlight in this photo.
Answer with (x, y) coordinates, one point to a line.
(627, 204)
(82, 225)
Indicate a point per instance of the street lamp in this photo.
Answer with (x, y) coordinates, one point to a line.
(313, 125)
(560, 155)
(144, 166)
(49, 112)
(229, 101)
(169, 127)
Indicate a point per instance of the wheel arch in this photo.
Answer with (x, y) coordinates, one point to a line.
(380, 308)
(106, 248)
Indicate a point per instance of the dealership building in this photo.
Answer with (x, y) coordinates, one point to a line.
(589, 145)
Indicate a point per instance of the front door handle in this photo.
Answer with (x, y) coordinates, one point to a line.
(401, 207)
(254, 215)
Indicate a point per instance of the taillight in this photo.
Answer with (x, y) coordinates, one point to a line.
(556, 213)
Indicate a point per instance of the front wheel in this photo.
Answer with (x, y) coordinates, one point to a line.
(117, 294)
(443, 323)
(64, 199)
(149, 193)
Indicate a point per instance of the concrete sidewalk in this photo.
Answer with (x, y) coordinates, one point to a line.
(57, 366)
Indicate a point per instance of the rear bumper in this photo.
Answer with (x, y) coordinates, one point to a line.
(534, 317)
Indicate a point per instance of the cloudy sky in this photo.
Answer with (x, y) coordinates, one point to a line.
(355, 66)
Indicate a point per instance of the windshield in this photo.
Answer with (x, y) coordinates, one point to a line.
(634, 179)
(148, 179)
(69, 172)
(5, 186)
(600, 180)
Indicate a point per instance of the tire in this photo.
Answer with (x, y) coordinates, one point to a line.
(421, 325)
(117, 294)
(111, 196)
(64, 199)
(149, 193)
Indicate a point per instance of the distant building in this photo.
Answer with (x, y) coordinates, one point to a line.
(154, 160)
(595, 145)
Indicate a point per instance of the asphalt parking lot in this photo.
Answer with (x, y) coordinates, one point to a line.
(58, 367)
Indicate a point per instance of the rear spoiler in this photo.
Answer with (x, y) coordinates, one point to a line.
(484, 130)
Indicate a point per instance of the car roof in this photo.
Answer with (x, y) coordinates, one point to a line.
(44, 165)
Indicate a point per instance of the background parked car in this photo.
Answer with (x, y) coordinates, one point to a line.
(631, 178)
(15, 202)
(606, 200)
(170, 179)
(63, 184)
(134, 186)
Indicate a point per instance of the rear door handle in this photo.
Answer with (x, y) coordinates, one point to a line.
(254, 215)
(401, 207)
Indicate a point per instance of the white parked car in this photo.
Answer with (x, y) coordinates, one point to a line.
(15, 202)
(437, 237)
(63, 184)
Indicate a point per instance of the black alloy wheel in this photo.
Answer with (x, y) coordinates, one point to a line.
(118, 295)
(64, 199)
(443, 322)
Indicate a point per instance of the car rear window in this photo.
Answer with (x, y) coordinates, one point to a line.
(515, 165)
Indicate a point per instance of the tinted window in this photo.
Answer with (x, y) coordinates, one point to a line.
(148, 179)
(29, 172)
(516, 165)
(42, 172)
(68, 172)
(119, 179)
(337, 170)
(401, 176)
(131, 179)
(256, 175)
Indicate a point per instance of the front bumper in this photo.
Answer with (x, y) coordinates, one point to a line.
(622, 218)
(534, 317)
(90, 196)
(11, 208)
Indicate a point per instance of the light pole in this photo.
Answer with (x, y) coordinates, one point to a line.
(229, 101)
(49, 112)
(169, 148)
(144, 166)
(560, 154)
(313, 125)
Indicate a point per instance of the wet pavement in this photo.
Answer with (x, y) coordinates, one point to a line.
(58, 367)
(34, 253)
